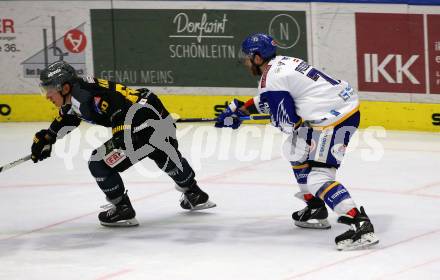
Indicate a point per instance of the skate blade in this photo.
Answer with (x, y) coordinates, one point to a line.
(202, 206)
(367, 240)
(123, 223)
(319, 224)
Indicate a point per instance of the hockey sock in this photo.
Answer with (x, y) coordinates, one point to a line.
(184, 176)
(108, 180)
(353, 212)
(112, 186)
(336, 196)
(301, 171)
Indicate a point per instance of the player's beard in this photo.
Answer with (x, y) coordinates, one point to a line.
(255, 69)
(251, 66)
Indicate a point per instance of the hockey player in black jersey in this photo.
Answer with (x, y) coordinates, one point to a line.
(141, 127)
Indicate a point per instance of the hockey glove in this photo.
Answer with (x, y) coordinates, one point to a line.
(230, 117)
(42, 146)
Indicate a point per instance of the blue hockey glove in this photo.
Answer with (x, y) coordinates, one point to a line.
(230, 117)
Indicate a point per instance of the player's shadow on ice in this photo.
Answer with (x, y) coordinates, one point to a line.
(188, 228)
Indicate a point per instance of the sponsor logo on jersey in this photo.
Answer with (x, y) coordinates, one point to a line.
(346, 93)
(325, 138)
(322, 145)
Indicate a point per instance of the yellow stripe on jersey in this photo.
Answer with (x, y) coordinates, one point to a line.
(120, 128)
(103, 83)
(129, 93)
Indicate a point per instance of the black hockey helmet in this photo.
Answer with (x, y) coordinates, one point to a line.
(56, 75)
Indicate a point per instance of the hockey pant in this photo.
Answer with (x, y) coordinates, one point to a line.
(153, 136)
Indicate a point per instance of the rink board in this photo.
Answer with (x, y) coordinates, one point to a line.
(390, 115)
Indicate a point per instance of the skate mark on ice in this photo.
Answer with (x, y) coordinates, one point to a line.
(77, 217)
(114, 274)
(425, 187)
(363, 254)
(414, 267)
(207, 179)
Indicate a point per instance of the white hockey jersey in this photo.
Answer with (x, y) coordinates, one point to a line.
(315, 97)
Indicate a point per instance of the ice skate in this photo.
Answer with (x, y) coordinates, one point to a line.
(361, 234)
(194, 198)
(120, 214)
(314, 215)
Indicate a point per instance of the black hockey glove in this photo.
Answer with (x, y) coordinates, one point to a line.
(42, 146)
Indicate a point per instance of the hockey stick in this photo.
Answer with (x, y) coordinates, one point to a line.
(14, 163)
(244, 118)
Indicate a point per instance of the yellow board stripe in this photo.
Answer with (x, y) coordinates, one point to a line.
(300, 166)
(418, 116)
(328, 189)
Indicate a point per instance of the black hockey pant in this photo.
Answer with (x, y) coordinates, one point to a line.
(158, 140)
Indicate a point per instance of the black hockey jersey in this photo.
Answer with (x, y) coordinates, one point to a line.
(97, 101)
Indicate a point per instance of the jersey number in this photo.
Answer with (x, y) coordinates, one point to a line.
(128, 93)
(314, 73)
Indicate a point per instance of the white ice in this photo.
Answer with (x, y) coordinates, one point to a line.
(49, 227)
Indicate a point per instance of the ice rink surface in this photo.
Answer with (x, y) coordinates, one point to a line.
(49, 227)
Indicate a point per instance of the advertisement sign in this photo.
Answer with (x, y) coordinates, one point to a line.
(69, 47)
(196, 48)
(434, 52)
(390, 52)
(35, 34)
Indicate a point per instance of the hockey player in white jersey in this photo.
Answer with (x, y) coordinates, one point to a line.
(320, 114)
